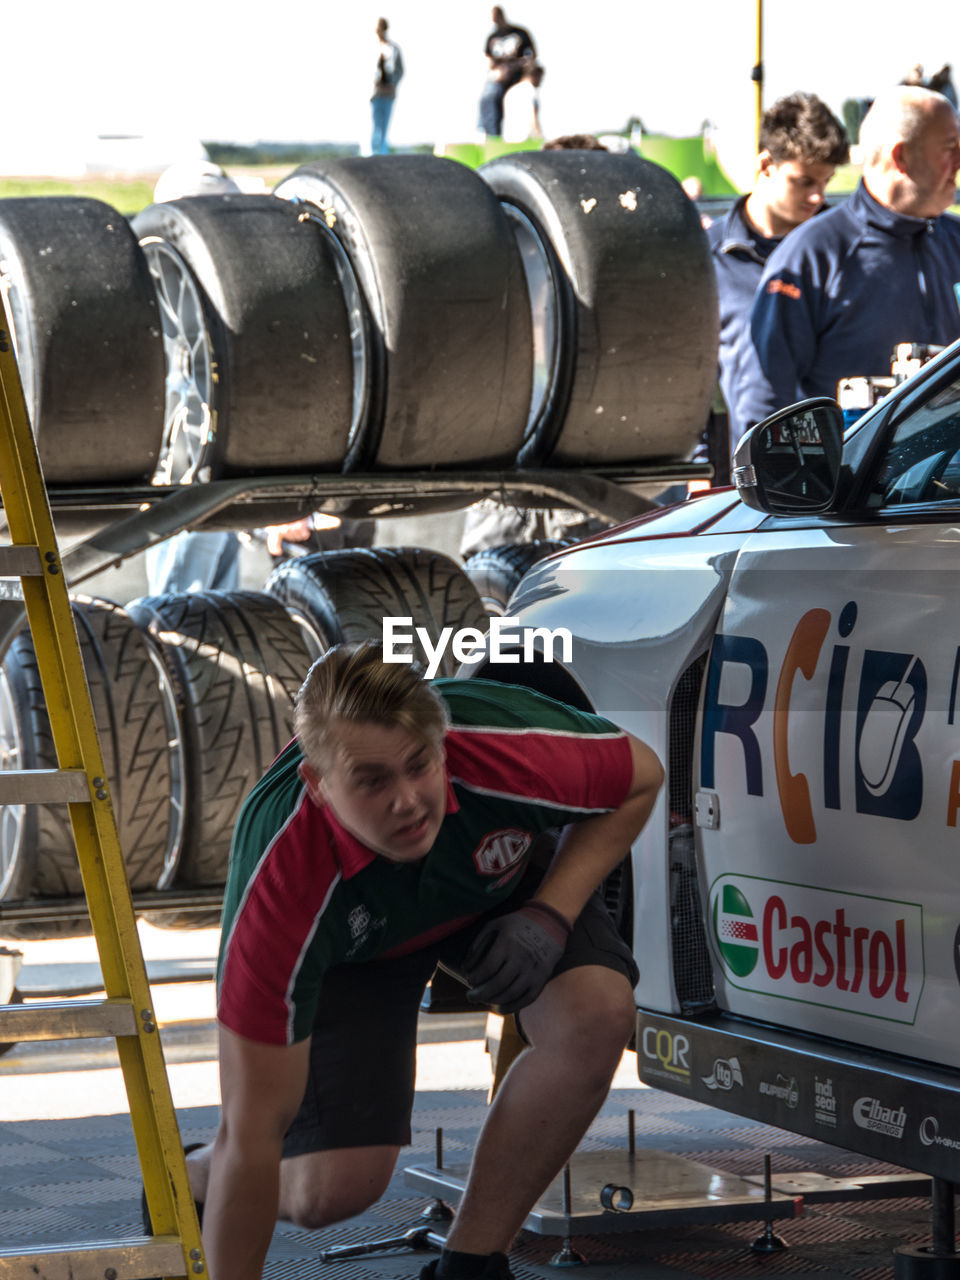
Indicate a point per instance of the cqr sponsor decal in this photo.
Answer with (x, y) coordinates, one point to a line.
(725, 1074)
(666, 1054)
(844, 951)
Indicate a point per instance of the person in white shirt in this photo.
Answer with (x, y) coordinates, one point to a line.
(521, 106)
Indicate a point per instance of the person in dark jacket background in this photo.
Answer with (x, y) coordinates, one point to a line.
(841, 292)
(801, 144)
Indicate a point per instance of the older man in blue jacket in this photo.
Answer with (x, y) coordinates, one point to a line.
(843, 290)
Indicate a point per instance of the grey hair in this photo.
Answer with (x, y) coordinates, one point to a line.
(897, 115)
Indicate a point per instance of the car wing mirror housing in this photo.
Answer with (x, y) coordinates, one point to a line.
(789, 464)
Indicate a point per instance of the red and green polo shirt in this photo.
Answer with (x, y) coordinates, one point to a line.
(303, 894)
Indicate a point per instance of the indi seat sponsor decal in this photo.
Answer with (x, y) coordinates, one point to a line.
(846, 951)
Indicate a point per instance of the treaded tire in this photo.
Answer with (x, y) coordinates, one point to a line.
(449, 364)
(237, 660)
(135, 714)
(496, 571)
(345, 595)
(88, 339)
(630, 373)
(278, 325)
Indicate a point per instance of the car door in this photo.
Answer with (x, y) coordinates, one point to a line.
(829, 755)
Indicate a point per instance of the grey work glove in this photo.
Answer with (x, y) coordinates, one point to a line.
(513, 957)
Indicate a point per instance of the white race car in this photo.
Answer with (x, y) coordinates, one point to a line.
(792, 651)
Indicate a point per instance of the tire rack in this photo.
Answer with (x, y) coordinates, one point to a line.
(79, 781)
(131, 519)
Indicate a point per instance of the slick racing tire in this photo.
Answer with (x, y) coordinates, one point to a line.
(237, 660)
(135, 713)
(436, 284)
(87, 337)
(496, 571)
(256, 333)
(623, 301)
(345, 595)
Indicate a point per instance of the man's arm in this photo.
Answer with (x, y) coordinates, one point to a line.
(513, 957)
(261, 1088)
(588, 851)
(779, 347)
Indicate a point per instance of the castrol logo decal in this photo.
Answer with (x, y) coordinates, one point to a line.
(846, 951)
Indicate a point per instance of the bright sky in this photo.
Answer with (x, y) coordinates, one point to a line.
(290, 70)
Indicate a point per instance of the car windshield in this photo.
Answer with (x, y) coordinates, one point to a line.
(922, 461)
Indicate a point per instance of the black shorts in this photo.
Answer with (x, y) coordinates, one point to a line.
(364, 1045)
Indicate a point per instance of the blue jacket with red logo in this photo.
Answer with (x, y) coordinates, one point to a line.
(838, 295)
(740, 253)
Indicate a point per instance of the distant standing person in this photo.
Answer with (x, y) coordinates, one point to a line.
(508, 49)
(388, 75)
(521, 108)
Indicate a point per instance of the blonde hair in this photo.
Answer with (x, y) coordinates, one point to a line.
(351, 684)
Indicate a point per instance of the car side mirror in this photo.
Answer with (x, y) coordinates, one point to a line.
(789, 464)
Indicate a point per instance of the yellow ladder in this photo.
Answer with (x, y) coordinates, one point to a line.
(126, 1014)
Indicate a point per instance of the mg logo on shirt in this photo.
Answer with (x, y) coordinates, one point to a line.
(501, 851)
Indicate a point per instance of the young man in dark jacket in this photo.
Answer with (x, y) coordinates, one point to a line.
(801, 144)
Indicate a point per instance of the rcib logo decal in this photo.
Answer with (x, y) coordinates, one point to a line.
(870, 1113)
(725, 1074)
(500, 851)
(844, 951)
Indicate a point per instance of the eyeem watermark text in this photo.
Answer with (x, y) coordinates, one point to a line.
(503, 642)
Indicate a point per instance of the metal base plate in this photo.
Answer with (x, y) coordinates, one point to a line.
(666, 1189)
(820, 1188)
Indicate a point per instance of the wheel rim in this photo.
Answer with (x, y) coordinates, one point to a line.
(171, 855)
(12, 816)
(190, 413)
(326, 211)
(544, 310)
(311, 636)
(18, 310)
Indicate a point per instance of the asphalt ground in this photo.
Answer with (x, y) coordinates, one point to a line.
(69, 1170)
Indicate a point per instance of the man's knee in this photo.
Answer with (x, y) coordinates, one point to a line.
(326, 1187)
(588, 1013)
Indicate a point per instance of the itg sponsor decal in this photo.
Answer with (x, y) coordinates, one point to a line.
(725, 1074)
(846, 951)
